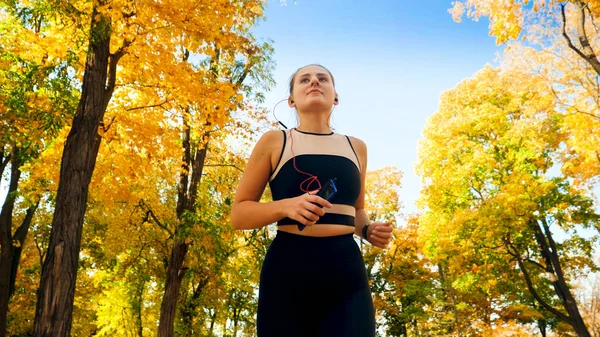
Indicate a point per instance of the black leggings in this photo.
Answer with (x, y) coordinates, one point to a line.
(314, 286)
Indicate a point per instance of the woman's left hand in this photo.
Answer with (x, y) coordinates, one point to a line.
(380, 234)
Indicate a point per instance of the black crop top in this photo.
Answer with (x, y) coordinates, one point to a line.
(326, 156)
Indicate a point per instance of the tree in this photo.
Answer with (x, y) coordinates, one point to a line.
(557, 40)
(485, 161)
(589, 294)
(404, 283)
(36, 100)
(134, 38)
(508, 19)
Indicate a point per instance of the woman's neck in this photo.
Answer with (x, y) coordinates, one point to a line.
(314, 124)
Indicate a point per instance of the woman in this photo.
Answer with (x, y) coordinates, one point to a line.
(313, 280)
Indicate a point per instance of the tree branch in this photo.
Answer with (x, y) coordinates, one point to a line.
(158, 105)
(389, 269)
(588, 53)
(105, 127)
(41, 252)
(226, 165)
(197, 168)
(554, 254)
(536, 263)
(577, 111)
(4, 162)
(564, 32)
(20, 235)
(514, 252)
(21, 231)
(183, 186)
(538, 298)
(112, 70)
(150, 213)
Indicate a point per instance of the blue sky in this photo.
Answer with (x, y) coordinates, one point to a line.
(391, 61)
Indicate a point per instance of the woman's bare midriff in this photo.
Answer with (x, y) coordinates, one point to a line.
(318, 230)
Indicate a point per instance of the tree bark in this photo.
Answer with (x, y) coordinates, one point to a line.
(137, 305)
(19, 237)
(6, 239)
(175, 274)
(235, 321)
(213, 319)
(188, 311)
(54, 309)
(542, 326)
(549, 252)
(186, 200)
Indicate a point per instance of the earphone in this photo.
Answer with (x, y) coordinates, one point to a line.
(277, 119)
(311, 178)
(292, 102)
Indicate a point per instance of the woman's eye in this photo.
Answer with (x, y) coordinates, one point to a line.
(304, 80)
(323, 79)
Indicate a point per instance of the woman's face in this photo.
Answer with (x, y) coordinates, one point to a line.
(313, 89)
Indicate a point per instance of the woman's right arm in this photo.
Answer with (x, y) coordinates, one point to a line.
(248, 212)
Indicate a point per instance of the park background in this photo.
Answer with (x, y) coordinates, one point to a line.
(482, 139)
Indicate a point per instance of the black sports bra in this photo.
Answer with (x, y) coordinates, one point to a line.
(325, 156)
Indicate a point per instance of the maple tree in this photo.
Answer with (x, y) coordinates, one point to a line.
(557, 40)
(403, 283)
(150, 223)
(122, 44)
(485, 162)
(125, 43)
(510, 20)
(397, 275)
(37, 98)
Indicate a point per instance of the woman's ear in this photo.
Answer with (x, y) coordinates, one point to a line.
(291, 102)
(336, 101)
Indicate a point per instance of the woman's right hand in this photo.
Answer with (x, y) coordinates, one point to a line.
(304, 208)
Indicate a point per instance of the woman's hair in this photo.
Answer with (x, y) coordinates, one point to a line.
(293, 78)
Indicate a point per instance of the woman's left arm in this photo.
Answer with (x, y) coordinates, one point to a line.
(378, 233)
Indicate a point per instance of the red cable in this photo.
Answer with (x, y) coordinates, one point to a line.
(311, 178)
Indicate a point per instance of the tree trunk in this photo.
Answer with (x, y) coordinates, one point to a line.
(403, 331)
(549, 252)
(175, 274)
(54, 309)
(235, 322)
(6, 239)
(20, 236)
(542, 326)
(213, 318)
(189, 178)
(137, 306)
(189, 309)
(5, 158)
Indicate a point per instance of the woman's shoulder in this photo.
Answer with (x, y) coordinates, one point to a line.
(358, 144)
(270, 140)
(272, 135)
(360, 148)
